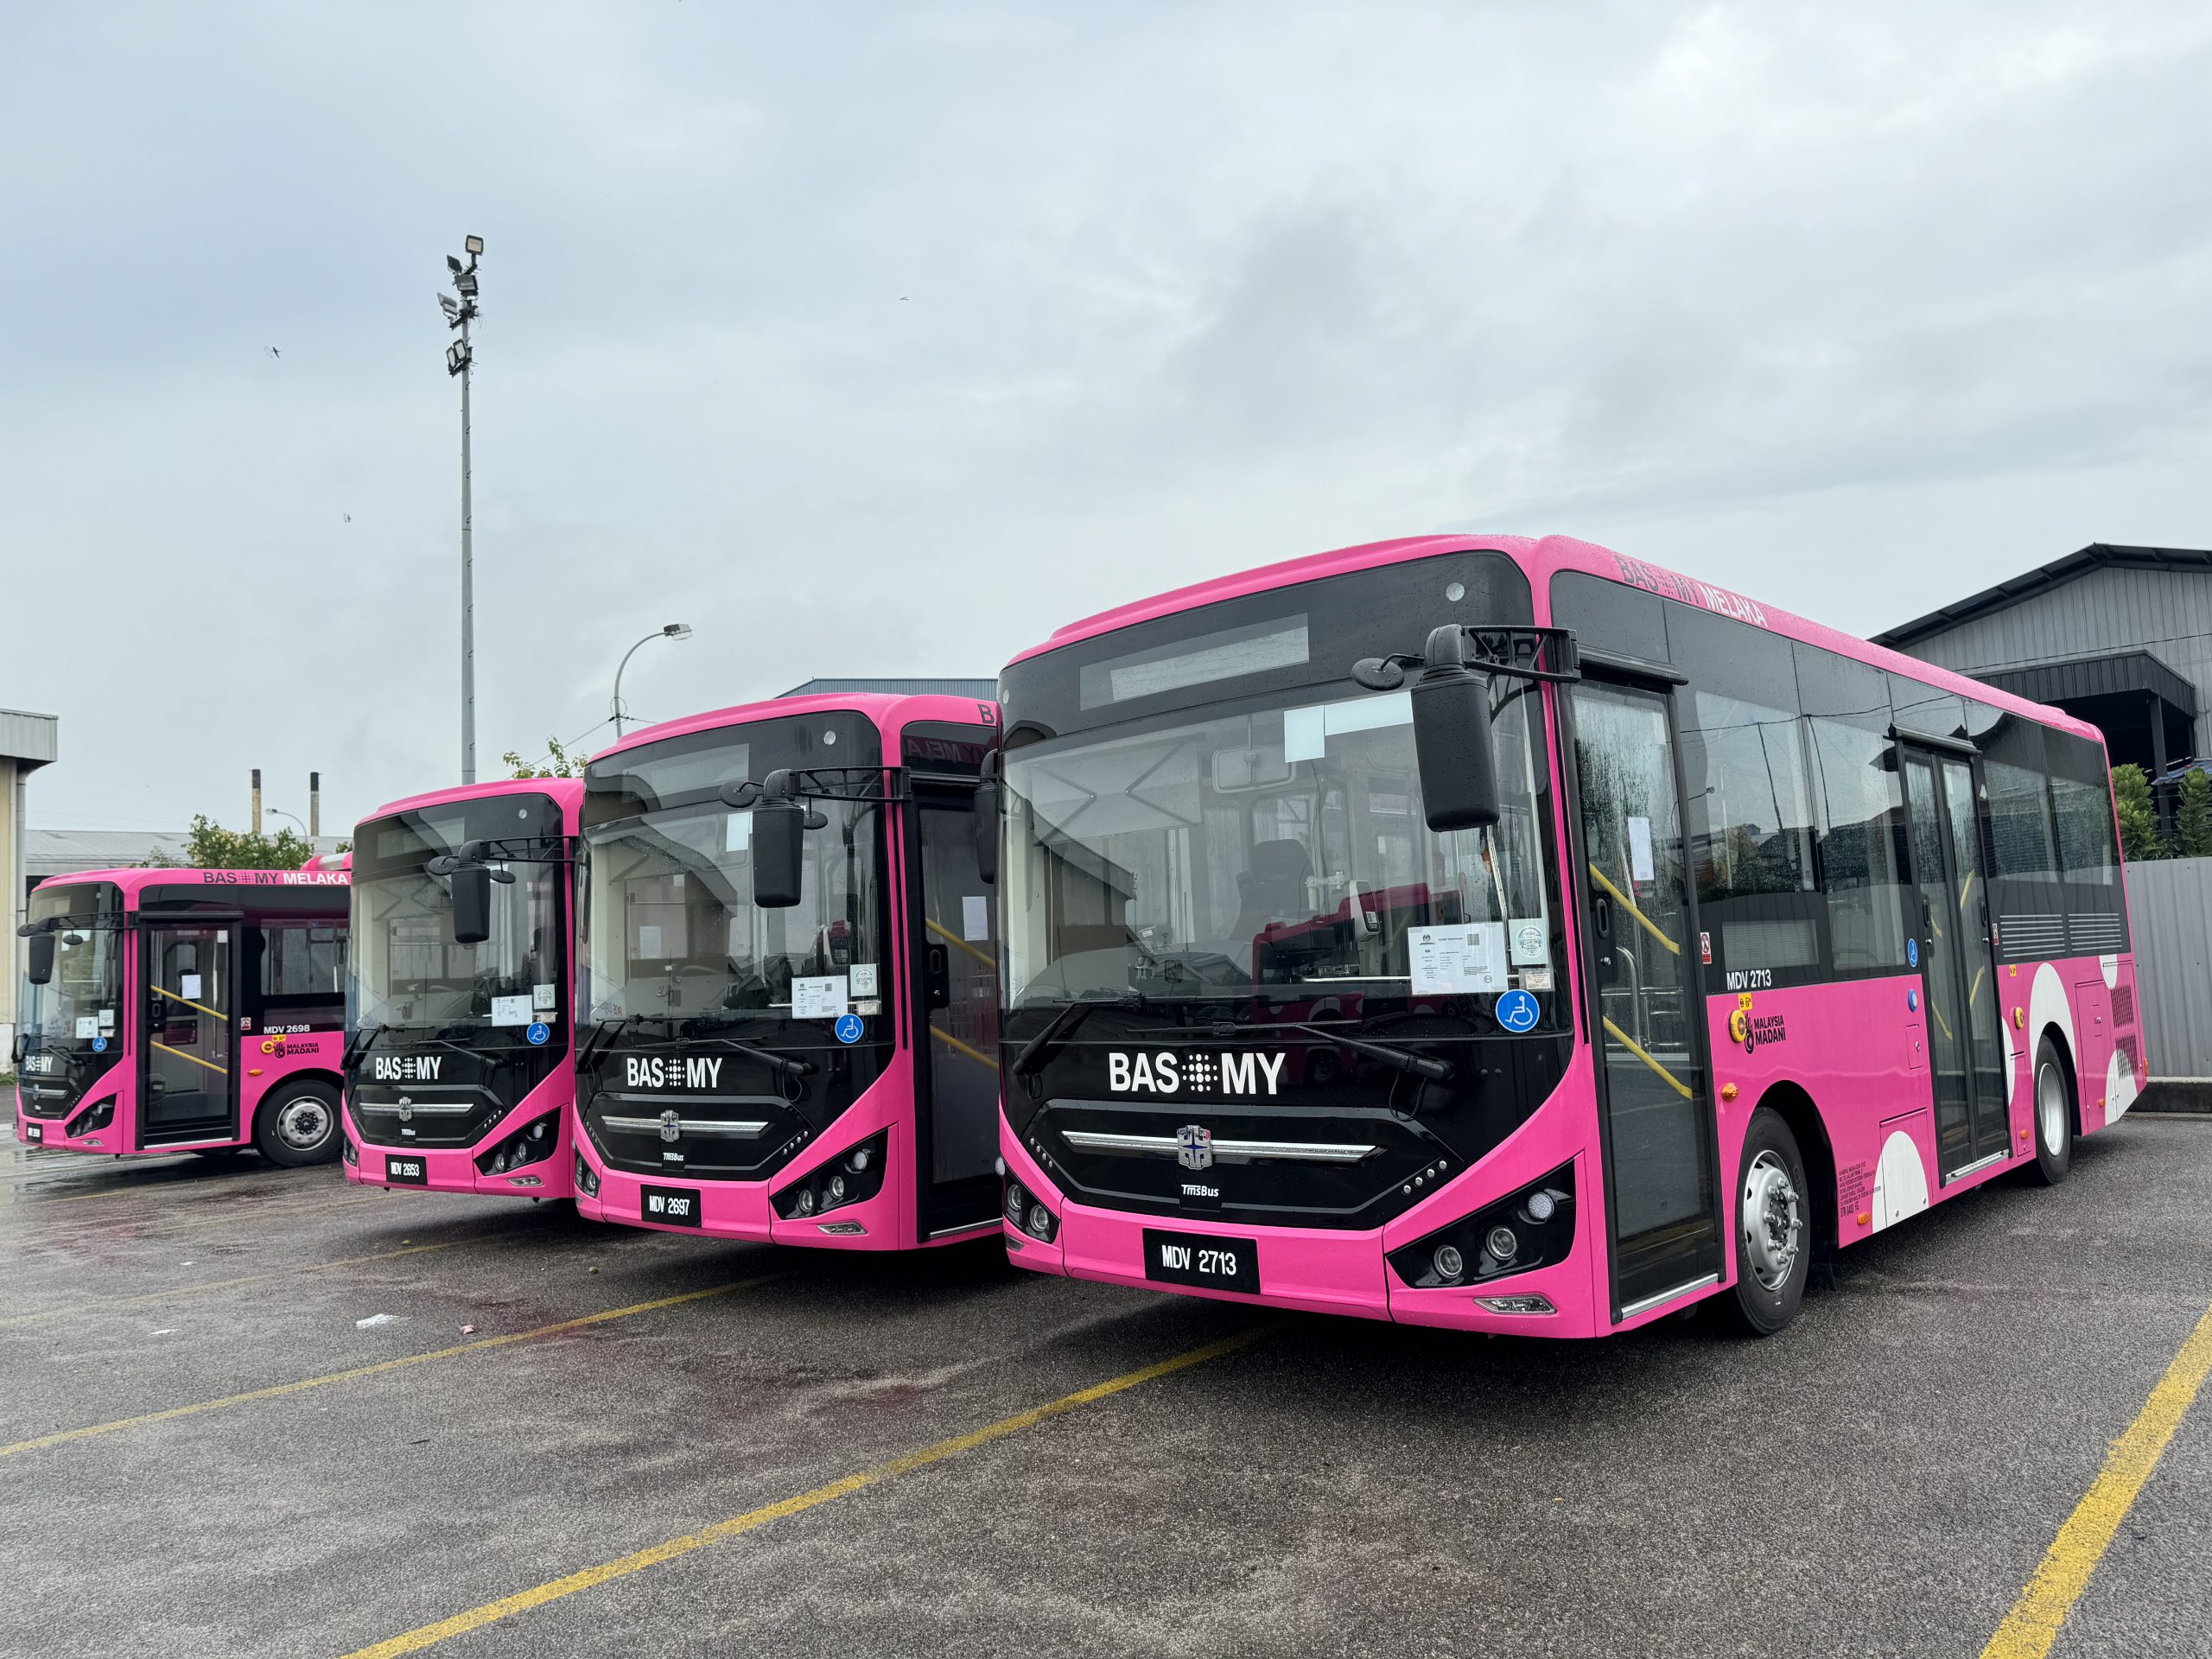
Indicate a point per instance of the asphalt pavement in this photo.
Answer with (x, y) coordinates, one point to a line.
(253, 1411)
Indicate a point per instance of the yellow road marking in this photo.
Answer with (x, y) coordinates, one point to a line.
(189, 1003)
(1636, 1049)
(1628, 905)
(2032, 1625)
(955, 940)
(946, 1037)
(414, 1640)
(222, 1071)
(279, 1390)
(109, 1303)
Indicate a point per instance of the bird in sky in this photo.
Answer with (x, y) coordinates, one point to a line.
(349, 517)
(273, 352)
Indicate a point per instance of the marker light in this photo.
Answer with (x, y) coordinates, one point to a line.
(1448, 1262)
(861, 1158)
(1540, 1206)
(1502, 1243)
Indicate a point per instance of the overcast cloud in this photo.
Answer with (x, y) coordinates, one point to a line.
(884, 341)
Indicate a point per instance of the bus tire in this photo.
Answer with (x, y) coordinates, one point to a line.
(2051, 1099)
(1774, 1230)
(297, 1125)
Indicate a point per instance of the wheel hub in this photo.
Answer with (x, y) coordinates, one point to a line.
(2051, 1108)
(304, 1124)
(1772, 1228)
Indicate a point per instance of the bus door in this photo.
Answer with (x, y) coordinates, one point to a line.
(1641, 989)
(956, 1068)
(190, 1090)
(1958, 966)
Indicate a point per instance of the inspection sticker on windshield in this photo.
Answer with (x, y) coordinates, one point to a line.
(543, 998)
(1447, 961)
(822, 998)
(87, 1026)
(510, 1011)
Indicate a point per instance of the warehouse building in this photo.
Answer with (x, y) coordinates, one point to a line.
(27, 741)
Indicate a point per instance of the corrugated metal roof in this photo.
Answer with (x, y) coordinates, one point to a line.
(28, 739)
(2043, 579)
(61, 852)
(984, 691)
(2096, 676)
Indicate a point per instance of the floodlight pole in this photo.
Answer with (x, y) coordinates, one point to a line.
(467, 578)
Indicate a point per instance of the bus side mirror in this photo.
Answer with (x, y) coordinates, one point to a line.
(990, 798)
(38, 960)
(1451, 736)
(472, 905)
(779, 827)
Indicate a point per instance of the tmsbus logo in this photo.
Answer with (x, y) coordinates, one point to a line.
(1190, 1072)
(405, 1068)
(669, 1072)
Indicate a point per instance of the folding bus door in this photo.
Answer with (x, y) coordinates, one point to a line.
(1639, 925)
(956, 1062)
(190, 1090)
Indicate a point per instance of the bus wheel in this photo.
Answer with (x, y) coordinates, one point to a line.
(298, 1125)
(1774, 1234)
(2054, 1104)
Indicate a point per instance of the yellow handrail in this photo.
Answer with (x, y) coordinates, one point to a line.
(220, 1071)
(977, 1054)
(1628, 905)
(189, 1003)
(952, 938)
(1636, 1049)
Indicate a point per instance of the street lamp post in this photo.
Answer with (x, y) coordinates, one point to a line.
(459, 360)
(673, 631)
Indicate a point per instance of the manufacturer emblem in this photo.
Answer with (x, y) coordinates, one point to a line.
(406, 1110)
(671, 1127)
(1194, 1146)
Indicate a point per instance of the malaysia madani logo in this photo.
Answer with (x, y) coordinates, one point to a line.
(1194, 1146)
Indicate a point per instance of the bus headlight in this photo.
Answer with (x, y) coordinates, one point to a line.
(851, 1179)
(1017, 1202)
(533, 1142)
(1526, 1229)
(586, 1178)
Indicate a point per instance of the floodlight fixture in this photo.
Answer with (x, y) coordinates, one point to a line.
(452, 306)
(465, 284)
(453, 264)
(474, 244)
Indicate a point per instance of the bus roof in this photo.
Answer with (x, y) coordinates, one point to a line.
(1542, 558)
(136, 878)
(890, 713)
(568, 794)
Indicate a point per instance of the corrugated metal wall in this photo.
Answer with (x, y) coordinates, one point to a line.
(2166, 612)
(2169, 907)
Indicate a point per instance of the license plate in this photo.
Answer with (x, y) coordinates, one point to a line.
(1202, 1259)
(672, 1206)
(407, 1172)
(35, 1132)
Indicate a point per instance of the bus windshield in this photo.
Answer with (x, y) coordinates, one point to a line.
(1279, 854)
(408, 973)
(674, 934)
(82, 1002)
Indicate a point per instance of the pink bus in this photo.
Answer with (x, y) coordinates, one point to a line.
(180, 1010)
(1512, 936)
(791, 976)
(458, 1074)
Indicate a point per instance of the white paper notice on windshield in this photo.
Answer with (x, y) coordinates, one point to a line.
(1448, 961)
(822, 998)
(975, 917)
(1639, 850)
(510, 1011)
(88, 1025)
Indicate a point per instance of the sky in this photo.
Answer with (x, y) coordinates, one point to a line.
(885, 340)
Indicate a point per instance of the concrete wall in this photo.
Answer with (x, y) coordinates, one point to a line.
(2118, 607)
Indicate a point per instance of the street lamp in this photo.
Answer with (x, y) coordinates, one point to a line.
(673, 631)
(459, 360)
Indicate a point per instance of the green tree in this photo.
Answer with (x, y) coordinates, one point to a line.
(2193, 822)
(208, 846)
(556, 762)
(2139, 818)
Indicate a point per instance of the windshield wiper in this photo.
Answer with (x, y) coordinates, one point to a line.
(789, 1064)
(363, 1038)
(1416, 1065)
(1041, 1047)
(603, 1032)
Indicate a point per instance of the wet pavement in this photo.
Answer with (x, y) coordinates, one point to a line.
(255, 1411)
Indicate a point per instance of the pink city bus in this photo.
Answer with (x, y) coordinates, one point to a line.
(182, 1010)
(1510, 936)
(458, 1074)
(789, 976)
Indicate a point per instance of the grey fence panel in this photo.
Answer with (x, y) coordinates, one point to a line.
(2169, 909)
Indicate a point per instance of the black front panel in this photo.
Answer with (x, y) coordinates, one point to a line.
(409, 1090)
(70, 1027)
(1242, 1125)
(704, 1109)
(50, 1082)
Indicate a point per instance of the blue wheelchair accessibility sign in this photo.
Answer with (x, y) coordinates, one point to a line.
(1517, 1010)
(538, 1033)
(849, 1028)
(100, 1045)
